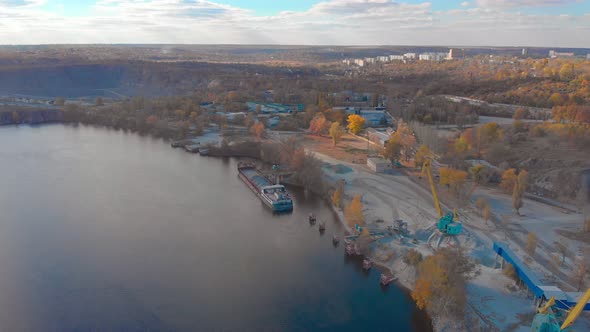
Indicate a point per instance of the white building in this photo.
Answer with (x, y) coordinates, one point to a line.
(410, 56)
(396, 58)
(383, 58)
(431, 56)
(378, 165)
(553, 54)
(359, 62)
(369, 60)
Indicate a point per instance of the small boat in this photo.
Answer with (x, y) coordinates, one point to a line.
(322, 226)
(352, 250)
(177, 144)
(385, 280)
(335, 239)
(367, 264)
(311, 218)
(204, 152)
(193, 148)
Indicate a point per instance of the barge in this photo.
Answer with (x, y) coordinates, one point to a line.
(272, 195)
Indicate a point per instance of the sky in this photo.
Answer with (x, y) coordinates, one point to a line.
(546, 23)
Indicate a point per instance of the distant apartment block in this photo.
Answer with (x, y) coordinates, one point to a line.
(396, 58)
(410, 56)
(554, 54)
(432, 56)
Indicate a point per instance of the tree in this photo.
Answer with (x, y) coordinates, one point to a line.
(152, 120)
(508, 180)
(336, 132)
(421, 155)
(15, 117)
(563, 249)
(318, 124)
(566, 72)
(441, 282)
(531, 243)
(520, 114)
(486, 212)
(99, 101)
(355, 123)
(258, 130)
(461, 145)
(489, 133)
(354, 211)
(413, 257)
(519, 189)
(392, 149)
(337, 197)
(477, 173)
(556, 99)
(422, 293)
(406, 139)
(249, 120)
(454, 179)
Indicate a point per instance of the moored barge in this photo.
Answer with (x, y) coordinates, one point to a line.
(272, 195)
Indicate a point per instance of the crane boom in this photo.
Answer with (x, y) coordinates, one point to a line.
(575, 312)
(427, 168)
(544, 309)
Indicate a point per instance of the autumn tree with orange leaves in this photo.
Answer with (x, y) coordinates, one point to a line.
(355, 123)
(318, 125)
(258, 130)
(354, 211)
(454, 179)
(441, 281)
(508, 180)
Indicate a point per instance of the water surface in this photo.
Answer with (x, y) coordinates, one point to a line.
(102, 230)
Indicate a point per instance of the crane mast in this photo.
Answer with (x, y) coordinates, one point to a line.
(427, 168)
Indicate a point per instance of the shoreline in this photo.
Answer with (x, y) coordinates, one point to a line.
(401, 283)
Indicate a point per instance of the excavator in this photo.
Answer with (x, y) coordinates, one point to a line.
(548, 316)
(446, 225)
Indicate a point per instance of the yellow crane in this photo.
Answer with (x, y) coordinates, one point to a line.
(445, 224)
(427, 168)
(546, 319)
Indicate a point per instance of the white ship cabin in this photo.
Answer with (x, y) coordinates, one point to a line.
(276, 192)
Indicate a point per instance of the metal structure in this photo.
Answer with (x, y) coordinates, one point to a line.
(446, 224)
(548, 317)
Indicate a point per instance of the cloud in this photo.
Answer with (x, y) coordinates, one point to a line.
(465, 4)
(524, 3)
(329, 22)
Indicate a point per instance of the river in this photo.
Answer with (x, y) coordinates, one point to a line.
(103, 230)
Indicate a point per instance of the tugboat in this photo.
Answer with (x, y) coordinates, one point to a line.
(311, 218)
(367, 264)
(322, 226)
(352, 250)
(335, 239)
(385, 280)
